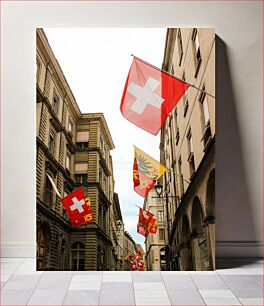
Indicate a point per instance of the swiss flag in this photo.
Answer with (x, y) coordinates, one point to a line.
(149, 96)
(144, 216)
(134, 267)
(77, 208)
(137, 258)
(140, 266)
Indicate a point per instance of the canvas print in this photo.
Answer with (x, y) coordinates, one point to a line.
(125, 151)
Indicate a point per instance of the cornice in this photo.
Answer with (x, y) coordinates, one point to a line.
(47, 54)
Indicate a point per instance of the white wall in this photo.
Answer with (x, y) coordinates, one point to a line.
(239, 107)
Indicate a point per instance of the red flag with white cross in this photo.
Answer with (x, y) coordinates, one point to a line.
(140, 266)
(137, 258)
(77, 208)
(149, 96)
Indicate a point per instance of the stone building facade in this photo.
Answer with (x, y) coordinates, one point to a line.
(155, 243)
(142, 251)
(74, 150)
(188, 151)
(117, 235)
(129, 249)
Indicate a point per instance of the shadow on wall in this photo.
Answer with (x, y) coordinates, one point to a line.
(234, 209)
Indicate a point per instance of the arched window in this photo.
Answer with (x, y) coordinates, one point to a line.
(43, 246)
(48, 193)
(200, 248)
(101, 259)
(186, 252)
(197, 217)
(185, 232)
(77, 256)
(210, 195)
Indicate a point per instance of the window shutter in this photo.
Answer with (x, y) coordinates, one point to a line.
(82, 136)
(81, 167)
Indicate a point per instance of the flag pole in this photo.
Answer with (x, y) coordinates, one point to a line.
(173, 76)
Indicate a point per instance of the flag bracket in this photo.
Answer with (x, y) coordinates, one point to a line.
(173, 76)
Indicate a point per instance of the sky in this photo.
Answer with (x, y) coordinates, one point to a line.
(95, 62)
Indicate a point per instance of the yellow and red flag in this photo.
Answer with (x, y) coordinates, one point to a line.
(142, 230)
(146, 171)
(152, 226)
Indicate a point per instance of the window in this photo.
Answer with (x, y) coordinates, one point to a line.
(100, 177)
(100, 258)
(204, 103)
(70, 125)
(55, 102)
(43, 246)
(205, 120)
(161, 234)
(62, 255)
(180, 49)
(81, 178)
(105, 151)
(81, 167)
(77, 256)
(105, 185)
(190, 143)
(81, 170)
(63, 210)
(82, 145)
(160, 216)
(169, 174)
(197, 53)
(177, 127)
(180, 177)
(82, 139)
(190, 152)
(102, 216)
(52, 141)
(68, 161)
(48, 192)
(38, 71)
(102, 146)
(185, 98)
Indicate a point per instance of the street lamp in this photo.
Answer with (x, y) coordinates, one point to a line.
(158, 187)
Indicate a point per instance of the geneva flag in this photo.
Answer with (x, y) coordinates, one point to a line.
(146, 171)
(144, 216)
(146, 223)
(149, 96)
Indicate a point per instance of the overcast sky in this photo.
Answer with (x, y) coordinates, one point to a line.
(95, 63)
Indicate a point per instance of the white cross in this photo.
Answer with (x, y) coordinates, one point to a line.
(77, 204)
(145, 95)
